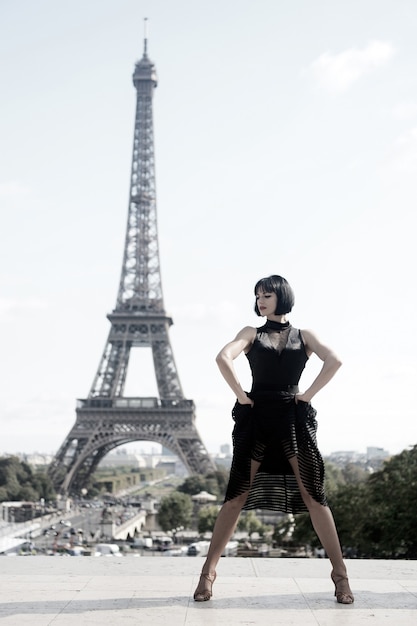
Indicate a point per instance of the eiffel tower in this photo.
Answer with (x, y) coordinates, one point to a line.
(107, 419)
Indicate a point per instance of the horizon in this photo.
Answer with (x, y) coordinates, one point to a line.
(147, 451)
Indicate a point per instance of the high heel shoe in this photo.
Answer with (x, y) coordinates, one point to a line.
(207, 587)
(342, 591)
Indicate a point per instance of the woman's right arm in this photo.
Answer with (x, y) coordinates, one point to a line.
(228, 354)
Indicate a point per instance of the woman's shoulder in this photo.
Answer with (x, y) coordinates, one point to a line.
(307, 333)
(247, 332)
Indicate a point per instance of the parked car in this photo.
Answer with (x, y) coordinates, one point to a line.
(107, 549)
(143, 542)
(199, 548)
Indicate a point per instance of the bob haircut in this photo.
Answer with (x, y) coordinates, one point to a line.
(282, 289)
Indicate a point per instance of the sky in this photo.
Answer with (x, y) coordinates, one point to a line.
(285, 143)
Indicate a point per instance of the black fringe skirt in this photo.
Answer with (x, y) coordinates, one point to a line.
(274, 430)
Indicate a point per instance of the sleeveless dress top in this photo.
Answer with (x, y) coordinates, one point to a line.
(276, 429)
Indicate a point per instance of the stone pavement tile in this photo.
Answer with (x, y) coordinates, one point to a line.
(257, 593)
(30, 601)
(99, 610)
(372, 593)
(410, 586)
(207, 616)
(351, 616)
(140, 583)
(292, 568)
(29, 594)
(121, 618)
(253, 601)
(25, 619)
(31, 612)
(390, 600)
(318, 592)
(58, 582)
(389, 594)
(100, 618)
(145, 610)
(191, 566)
(273, 585)
(32, 604)
(385, 569)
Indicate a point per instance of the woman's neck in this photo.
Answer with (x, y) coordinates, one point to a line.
(277, 318)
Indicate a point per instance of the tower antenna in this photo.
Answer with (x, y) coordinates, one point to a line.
(145, 36)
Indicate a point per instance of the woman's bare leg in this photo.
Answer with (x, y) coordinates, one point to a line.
(223, 530)
(323, 523)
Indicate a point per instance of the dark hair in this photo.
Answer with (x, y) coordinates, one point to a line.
(282, 289)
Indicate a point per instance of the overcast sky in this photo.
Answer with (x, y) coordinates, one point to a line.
(285, 142)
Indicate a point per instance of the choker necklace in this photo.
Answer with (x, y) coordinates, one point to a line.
(276, 325)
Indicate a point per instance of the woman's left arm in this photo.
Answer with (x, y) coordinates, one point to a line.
(331, 364)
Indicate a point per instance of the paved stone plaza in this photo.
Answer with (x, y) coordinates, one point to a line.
(72, 591)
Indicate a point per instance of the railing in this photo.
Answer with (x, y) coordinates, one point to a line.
(134, 403)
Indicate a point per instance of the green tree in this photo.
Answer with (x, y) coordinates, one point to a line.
(353, 473)
(250, 523)
(43, 485)
(216, 482)
(213, 482)
(28, 494)
(175, 510)
(333, 478)
(206, 518)
(389, 528)
(376, 517)
(19, 482)
(304, 534)
(350, 508)
(192, 485)
(283, 530)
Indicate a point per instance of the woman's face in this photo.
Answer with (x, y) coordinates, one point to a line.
(267, 303)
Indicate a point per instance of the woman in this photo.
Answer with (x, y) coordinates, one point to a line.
(276, 463)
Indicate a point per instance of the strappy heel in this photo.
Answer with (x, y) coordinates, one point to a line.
(207, 591)
(342, 590)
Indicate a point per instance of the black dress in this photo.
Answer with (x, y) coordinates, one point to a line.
(276, 429)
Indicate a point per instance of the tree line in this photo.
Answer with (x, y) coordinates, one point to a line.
(19, 482)
(375, 513)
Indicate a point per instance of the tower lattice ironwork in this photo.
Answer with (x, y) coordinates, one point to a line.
(106, 418)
